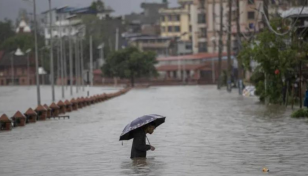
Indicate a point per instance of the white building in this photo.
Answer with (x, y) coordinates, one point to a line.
(64, 23)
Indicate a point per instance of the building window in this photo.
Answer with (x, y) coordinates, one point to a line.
(170, 29)
(251, 26)
(177, 17)
(202, 4)
(203, 32)
(169, 17)
(201, 18)
(163, 29)
(177, 29)
(251, 1)
(190, 28)
(188, 46)
(202, 47)
(57, 18)
(251, 15)
(162, 18)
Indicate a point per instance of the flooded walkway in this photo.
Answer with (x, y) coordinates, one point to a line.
(207, 132)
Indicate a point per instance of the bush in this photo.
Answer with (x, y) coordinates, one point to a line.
(301, 113)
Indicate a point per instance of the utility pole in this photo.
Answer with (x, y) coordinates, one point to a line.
(81, 62)
(229, 47)
(220, 44)
(65, 64)
(76, 63)
(116, 49)
(239, 46)
(300, 86)
(61, 57)
(91, 61)
(51, 56)
(117, 40)
(214, 41)
(58, 61)
(28, 66)
(36, 56)
(71, 62)
(265, 9)
(12, 69)
(265, 15)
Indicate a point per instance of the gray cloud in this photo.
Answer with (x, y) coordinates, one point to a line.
(10, 8)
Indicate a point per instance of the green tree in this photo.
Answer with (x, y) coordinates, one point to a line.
(98, 5)
(22, 41)
(277, 61)
(6, 30)
(130, 63)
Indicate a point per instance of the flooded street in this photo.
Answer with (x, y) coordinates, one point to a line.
(207, 132)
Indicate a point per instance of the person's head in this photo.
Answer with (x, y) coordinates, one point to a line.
(149, 129)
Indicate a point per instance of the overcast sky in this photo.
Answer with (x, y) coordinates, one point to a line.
(10, 8)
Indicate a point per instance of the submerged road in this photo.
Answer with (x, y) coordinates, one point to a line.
(207, 132)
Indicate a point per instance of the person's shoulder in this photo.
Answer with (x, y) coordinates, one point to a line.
(139, 132)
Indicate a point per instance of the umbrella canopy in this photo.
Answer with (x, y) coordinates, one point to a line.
(154, 119)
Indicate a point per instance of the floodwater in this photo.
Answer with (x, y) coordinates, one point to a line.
(207, 132)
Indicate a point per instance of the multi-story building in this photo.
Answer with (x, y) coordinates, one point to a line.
(206, 23)
(176, 23)
(64, 22)
(146, 22)
(162, 46)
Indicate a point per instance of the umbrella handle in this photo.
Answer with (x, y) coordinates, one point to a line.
(148, 140)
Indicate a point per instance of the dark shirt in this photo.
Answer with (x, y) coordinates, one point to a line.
(139, 147)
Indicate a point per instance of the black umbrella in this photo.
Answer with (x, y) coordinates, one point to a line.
(154, 119)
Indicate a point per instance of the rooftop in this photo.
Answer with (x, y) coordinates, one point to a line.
(295, 12)
(191, 57)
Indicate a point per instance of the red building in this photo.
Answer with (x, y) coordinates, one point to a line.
(14, 69)
(197, 68)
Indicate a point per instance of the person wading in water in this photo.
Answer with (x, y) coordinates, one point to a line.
(139, 147)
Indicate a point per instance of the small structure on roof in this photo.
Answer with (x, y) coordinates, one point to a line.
(23, 27)
(48, 110)
(54, 110)
(68, 106)
(5, 123)
(41, 112)
(62, 107)
(31, 116)
(19, 119)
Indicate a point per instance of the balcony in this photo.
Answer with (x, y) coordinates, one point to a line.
(154, 45)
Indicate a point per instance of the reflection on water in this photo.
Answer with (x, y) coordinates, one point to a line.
(207, 132)
(142, 166)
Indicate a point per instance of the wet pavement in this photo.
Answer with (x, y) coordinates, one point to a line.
(207, 132)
